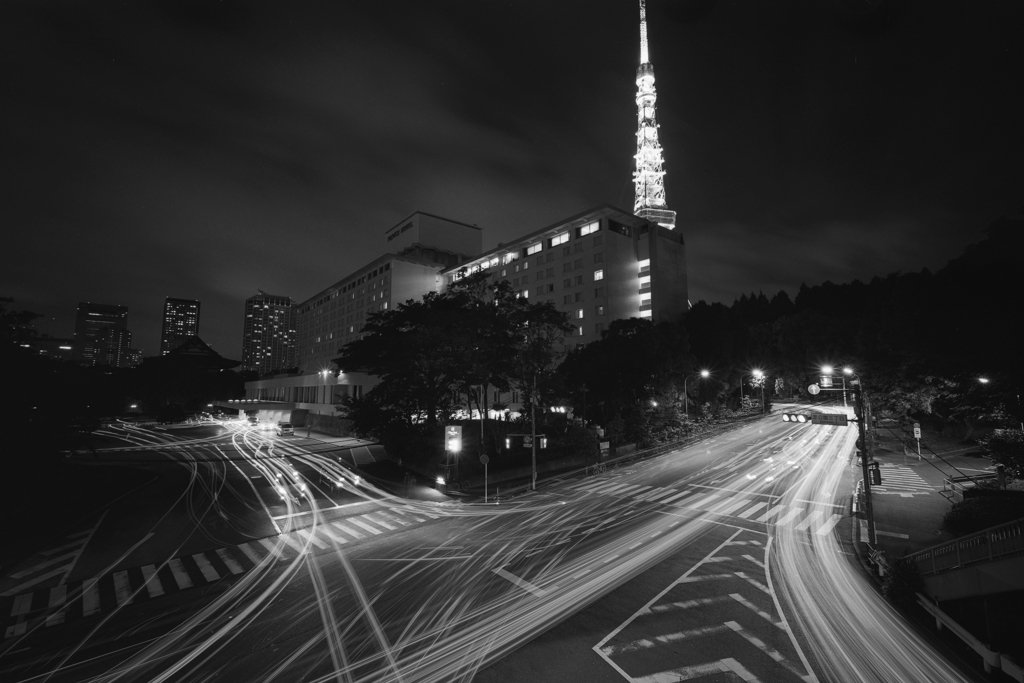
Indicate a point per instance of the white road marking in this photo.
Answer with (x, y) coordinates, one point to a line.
(22, 605)
(525, 585)
(771, 513)
(326, 531)
(58, 596)
(676, 497)
(292, 543)
(703, 501)
(248, 551)
(348, 530)
(809, 520)
(90, 597)
(181, 577)
(829, 525)
(364, 525)
(36, 567)
(647, 643)
(311, 538)
(272, 548)
(153, 585)
(229, 562)
(688, 673)
(789, 517)
(122, 589)
(752, 510)
(39, 579)
(379, 522)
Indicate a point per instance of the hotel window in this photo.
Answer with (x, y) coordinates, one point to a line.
(567, 283)
(515, 282)
(551, 256)
(561, 238)
(526, 265)
(598, 310)
(598, 258)
(598, 275)
(540, 276)
(504, 272)
(598, 240)
(566, 267)
(551, 272)
(567, 299)
(579, 313)
(599, 293)
(534, 248)
(578, 264)
(540, 260)
(588, 229)
(579, 279)
(645, 266)
(540, 290)
(516, 269)
(598, 328)
(551, 288)
(578, 247)
(566, 251)
(580, 328)
(578, 296)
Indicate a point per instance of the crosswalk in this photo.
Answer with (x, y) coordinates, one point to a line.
(898, 480)
(96, 595)
(53, 563)
(816, 517)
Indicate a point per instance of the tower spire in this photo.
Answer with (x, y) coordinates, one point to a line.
(649, 178)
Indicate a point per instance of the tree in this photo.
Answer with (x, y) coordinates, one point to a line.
(1006, 447)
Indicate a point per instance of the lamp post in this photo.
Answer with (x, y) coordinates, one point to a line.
(686, 405)
(827, 370)
(864, 441)
(759, 374)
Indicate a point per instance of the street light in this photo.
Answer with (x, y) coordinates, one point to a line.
(827, 370)
(759, 374)
(686, 405)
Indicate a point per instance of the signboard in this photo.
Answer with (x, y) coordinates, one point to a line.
(826, 381)
(453, 438)
(484, 459)
(917, 431)
(829, 419)
(527, 441)
(814, 390)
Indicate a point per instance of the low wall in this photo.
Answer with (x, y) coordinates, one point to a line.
(328, 424)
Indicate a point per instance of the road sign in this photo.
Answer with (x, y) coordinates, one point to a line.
(814, 389)
(527, 441)
(917, 430)
(484, 459)
(453, 438)
(826, 380)
(829, 419)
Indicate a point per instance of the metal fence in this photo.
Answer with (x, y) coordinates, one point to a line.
(999, 541)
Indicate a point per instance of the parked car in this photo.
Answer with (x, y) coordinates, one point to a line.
(284, 429)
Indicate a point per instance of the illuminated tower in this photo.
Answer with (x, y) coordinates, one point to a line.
(649, 177)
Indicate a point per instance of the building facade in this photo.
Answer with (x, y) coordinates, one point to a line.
(181, 321)
(269, 333)
(600, 265)
(101, 334)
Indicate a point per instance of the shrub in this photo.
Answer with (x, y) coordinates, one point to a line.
(976, 514)
(902, 583)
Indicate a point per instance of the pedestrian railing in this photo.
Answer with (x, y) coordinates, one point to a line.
(999, 541)
(953, 487)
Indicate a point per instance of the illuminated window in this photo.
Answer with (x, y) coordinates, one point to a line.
(645, 314)
(645, 282)
(579, 313)
(598, 310)
(645, 265)
(534, 248)
(526, 265)
(494, 262)
(580, 328)
(598, 275)
(588, 229)
(559, 239)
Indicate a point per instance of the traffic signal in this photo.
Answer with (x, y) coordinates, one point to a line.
(876, 474)
(795, 417)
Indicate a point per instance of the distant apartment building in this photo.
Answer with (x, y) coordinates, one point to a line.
(601, 265)
(181, 321)
(101, 334)
(269, 333)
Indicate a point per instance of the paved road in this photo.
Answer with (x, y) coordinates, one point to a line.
(722, 560)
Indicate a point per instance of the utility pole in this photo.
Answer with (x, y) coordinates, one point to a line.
(533, 433)
(865, 442)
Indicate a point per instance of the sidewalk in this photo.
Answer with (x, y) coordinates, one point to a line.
(909, 506)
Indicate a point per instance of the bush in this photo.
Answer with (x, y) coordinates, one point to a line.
(902, 583)
(976, 514)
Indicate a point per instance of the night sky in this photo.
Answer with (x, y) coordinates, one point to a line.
(205, 149)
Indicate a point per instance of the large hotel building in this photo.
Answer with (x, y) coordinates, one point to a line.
(601, 265)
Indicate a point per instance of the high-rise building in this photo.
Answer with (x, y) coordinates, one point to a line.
(181, 321)
(101, 334)
(269, 333)
(649, 178)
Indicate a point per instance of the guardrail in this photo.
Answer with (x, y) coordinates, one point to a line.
(955, 486)
(998, 541)
(992, 661)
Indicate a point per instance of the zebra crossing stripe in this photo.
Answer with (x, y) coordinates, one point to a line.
(122, 589)
(809, 520)
(677, 496)
(364, 525)
(326, 531)
(380, 523)
(789, 517)
(153, 586)
(733, 508)
(406, 513)
(272, 548)
(181, 577)
(771, 513)
(249, 552)
(720, 506)
(658, 494)
(348, 530)
(311, 538)
(90, 597)
(393, 518)
(229, 562)
(703, 501)
(22, 605)
(58, 596)
(292, 543)
(829, 525)
(207, 569)
(752, 510)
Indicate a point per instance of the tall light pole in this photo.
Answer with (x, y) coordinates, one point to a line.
(759, 374)
(863, 411)
(827, 370)
(686, 406)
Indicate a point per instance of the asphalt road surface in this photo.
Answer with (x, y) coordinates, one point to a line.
(727, 561)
